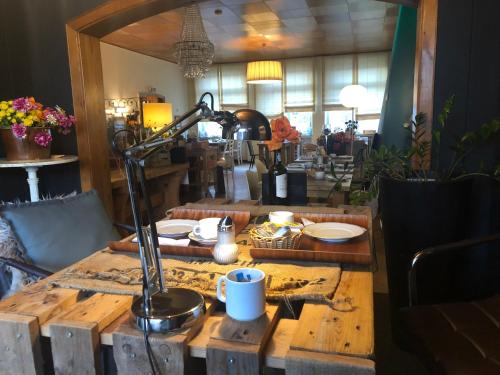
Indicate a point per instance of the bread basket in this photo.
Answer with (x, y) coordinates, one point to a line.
(290, 241)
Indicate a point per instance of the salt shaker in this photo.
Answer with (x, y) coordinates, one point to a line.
(226, 249)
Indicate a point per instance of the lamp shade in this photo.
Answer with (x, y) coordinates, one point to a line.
(264, 72)
(156, 115)
(253, 125)
(352, 96)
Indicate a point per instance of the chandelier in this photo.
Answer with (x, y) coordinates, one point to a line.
(194, 52)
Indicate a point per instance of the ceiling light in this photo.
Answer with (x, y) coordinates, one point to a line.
(352, 96)
(259, 72)
(194, 52)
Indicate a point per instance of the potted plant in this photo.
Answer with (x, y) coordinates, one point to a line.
(421, 206)
(25, 127)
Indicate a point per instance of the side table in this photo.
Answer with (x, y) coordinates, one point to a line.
(31, 167)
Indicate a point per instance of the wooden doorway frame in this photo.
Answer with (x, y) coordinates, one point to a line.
(83, 39)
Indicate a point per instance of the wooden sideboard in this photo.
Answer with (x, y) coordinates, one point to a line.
(163, 186)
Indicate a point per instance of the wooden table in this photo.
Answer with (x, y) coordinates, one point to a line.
(164, 188)
(31, 167)
(321, 340)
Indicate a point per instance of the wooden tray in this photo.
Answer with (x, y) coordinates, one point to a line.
(240, 218)
(357, 251)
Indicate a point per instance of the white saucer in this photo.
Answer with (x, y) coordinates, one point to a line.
(201, 240)
(175, 228)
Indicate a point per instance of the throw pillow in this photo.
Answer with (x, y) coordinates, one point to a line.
(58, 232)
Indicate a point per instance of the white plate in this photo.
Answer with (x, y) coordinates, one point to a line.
(202, 241)
(176, 228)
(334, 232)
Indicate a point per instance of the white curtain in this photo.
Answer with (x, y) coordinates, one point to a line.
(338, 73)
(268, 99)
(299, 85)
(234, 85)
(211, 84)
(372, 74)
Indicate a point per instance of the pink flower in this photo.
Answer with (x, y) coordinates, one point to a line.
(57, 117)
(19, 130)
(25, 104)
(43, 138)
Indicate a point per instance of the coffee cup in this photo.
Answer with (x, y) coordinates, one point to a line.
(207, 228)
(245, 293)
(281, 217)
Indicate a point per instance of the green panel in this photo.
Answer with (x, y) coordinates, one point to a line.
(398, 102)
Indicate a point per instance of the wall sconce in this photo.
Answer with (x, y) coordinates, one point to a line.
(157, 115)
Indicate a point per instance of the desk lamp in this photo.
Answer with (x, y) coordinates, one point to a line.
(160, 309)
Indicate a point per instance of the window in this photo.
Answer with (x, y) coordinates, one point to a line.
(299, 85)
(338, 73)
(335, 120)
(234, 86)
(372, 74)
(368, 124)
(302, 122)
(209, 130)
(209, 83)
(268, 99)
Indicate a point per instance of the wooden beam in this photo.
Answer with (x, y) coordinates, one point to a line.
(84, 53)
(425, 60)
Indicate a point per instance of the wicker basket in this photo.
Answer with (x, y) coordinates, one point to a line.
(288, 242)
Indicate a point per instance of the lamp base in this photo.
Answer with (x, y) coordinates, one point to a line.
(177, 309)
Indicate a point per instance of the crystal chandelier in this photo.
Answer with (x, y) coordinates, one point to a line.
(194, 52)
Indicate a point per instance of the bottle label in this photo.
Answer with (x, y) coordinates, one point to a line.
(281, 189)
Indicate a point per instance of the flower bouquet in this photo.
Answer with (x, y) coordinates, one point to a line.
(26, 128)
(281, 131)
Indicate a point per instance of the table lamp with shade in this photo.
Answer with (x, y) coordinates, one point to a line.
(161, 309)
(156, 115)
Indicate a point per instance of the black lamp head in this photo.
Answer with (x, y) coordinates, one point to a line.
(253, 125)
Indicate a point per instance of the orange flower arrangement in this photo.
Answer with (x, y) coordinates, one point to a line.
(281, 130)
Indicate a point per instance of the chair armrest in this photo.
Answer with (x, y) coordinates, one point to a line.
(453, 246)
(25, 267)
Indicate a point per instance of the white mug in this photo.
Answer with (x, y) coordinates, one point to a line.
(207, 228)
(281, 217)
(245, 295)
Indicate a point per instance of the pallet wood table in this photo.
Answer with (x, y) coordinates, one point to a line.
(318, 340)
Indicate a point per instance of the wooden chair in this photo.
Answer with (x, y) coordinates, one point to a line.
(261, 168)
(252, 154)
(254, 185)
(237, 151)
(309, 149)
(227, 164)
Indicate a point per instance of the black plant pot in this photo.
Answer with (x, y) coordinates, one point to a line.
(416, 215)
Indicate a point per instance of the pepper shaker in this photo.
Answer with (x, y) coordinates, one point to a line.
(226, 249)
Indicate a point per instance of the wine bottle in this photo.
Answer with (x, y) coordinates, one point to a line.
(278, 181)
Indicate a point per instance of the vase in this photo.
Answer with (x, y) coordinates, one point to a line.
(24, 148)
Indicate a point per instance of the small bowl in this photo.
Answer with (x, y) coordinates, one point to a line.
(281, 217)
(319, 175)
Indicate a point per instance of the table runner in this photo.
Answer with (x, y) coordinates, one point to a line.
(118, 273)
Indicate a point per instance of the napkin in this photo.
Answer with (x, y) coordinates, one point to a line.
(170, 241)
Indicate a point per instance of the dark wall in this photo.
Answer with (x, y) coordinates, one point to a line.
(468, 65)
(34, 62)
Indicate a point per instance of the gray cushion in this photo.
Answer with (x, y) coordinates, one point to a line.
(56, 233)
